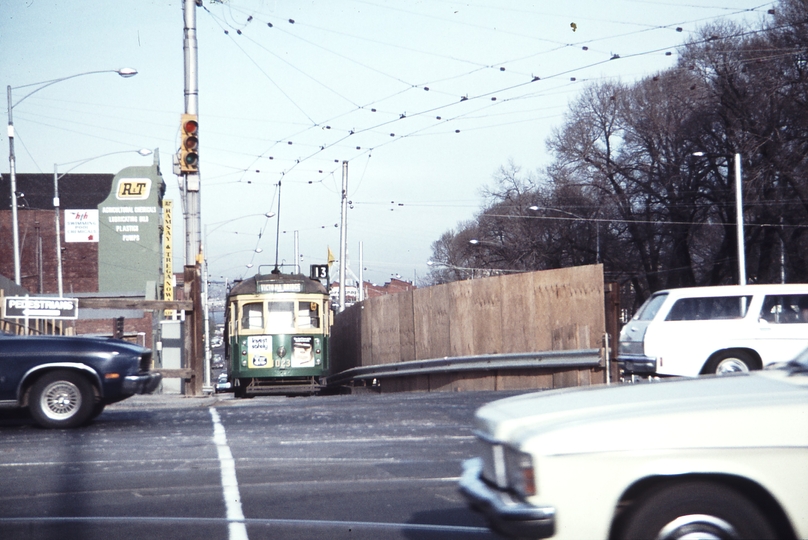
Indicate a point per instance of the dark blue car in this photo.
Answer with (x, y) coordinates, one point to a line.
(67, 381)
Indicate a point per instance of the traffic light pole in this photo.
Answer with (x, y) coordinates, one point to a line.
(191, 201)
(190, 180)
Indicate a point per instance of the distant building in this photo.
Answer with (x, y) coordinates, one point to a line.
(371, 290)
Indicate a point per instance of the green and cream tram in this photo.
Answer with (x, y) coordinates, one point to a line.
(277, 328)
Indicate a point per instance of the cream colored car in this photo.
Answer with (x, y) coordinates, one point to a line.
(711, 457)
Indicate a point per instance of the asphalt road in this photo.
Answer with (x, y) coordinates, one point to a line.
(363, 466)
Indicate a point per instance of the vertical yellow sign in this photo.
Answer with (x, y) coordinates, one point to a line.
(168, 254)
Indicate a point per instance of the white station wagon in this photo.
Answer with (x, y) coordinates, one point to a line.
(708, 457)
(700, 330)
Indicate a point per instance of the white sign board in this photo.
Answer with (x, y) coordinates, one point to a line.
(81, 225)
(41, 307)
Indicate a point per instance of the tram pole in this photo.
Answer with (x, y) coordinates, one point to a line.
(190, 188)
(343, 234)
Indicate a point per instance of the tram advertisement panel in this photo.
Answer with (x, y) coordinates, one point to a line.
(302, 351)
(259, 351)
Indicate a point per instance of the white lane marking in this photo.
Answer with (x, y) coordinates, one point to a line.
(232, 498)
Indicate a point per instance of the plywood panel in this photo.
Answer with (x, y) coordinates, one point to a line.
(487, 317)
(523, 380)
(565, 379)
(466, 381)
(431, 321)
(518, 314)
(385, 330)
(406, 325)
(405, 384)
(461, 322)
(366, 325)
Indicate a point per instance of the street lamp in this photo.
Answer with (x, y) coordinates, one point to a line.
(123, 72)
(738, 217)
(56, 177)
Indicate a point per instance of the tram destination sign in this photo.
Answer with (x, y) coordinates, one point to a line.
(40, 307)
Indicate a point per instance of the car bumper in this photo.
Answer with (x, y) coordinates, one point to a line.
(631, 363)
(145, 383)
(506, 514)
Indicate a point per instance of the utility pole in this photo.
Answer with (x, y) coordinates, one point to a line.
(12, 170)
(190, 180)
(197, 358)
(343, 236)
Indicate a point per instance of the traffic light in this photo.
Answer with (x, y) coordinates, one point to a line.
(189, 147)
(117, 327)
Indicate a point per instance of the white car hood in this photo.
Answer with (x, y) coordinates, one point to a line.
(760, 409)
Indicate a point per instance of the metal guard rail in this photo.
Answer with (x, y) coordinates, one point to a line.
(545, 360)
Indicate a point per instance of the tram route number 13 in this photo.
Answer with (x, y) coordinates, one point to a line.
(319, 271)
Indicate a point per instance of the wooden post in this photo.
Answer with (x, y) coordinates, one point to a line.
(612, 304)
(194, 345)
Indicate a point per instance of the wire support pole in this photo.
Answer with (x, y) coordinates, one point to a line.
(191, 180)
(12, 171)
(739, 221)
(343, 236)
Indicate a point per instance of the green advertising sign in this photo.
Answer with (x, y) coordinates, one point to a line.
(130, 249)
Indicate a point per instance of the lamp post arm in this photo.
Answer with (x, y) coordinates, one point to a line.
(12, 160)
(124, 72)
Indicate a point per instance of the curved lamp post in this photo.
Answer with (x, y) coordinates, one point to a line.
(123, 72)
(56, 177)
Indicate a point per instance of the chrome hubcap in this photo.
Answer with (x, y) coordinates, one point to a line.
(60, 400)
(698, 527)
(731, 365)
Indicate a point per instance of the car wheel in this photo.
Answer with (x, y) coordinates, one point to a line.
(61, 399)
(695, 510)
(729, 362)
(98, 408)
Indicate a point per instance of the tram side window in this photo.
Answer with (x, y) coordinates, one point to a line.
(308, 315)
(281, 317)
(252, 316)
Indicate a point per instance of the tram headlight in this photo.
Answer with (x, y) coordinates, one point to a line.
(281, 352)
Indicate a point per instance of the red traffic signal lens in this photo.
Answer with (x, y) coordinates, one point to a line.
(190, 126)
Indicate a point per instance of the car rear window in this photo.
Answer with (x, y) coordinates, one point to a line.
(650, 308)
(709, 308)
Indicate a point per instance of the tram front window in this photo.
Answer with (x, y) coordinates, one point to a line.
(308, 315)
(252, 316)
(280, 317)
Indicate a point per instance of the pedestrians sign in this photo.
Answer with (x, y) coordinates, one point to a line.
(37, 307)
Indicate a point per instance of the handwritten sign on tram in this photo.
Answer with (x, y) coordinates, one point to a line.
(41, 307)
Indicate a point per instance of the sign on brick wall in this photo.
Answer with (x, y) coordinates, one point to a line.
(40, 307)
(81, 225)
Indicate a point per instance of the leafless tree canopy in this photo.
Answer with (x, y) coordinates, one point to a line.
(625, 188)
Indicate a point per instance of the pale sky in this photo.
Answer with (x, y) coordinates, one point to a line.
(424, 99)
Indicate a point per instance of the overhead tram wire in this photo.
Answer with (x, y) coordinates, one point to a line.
(377, 126)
